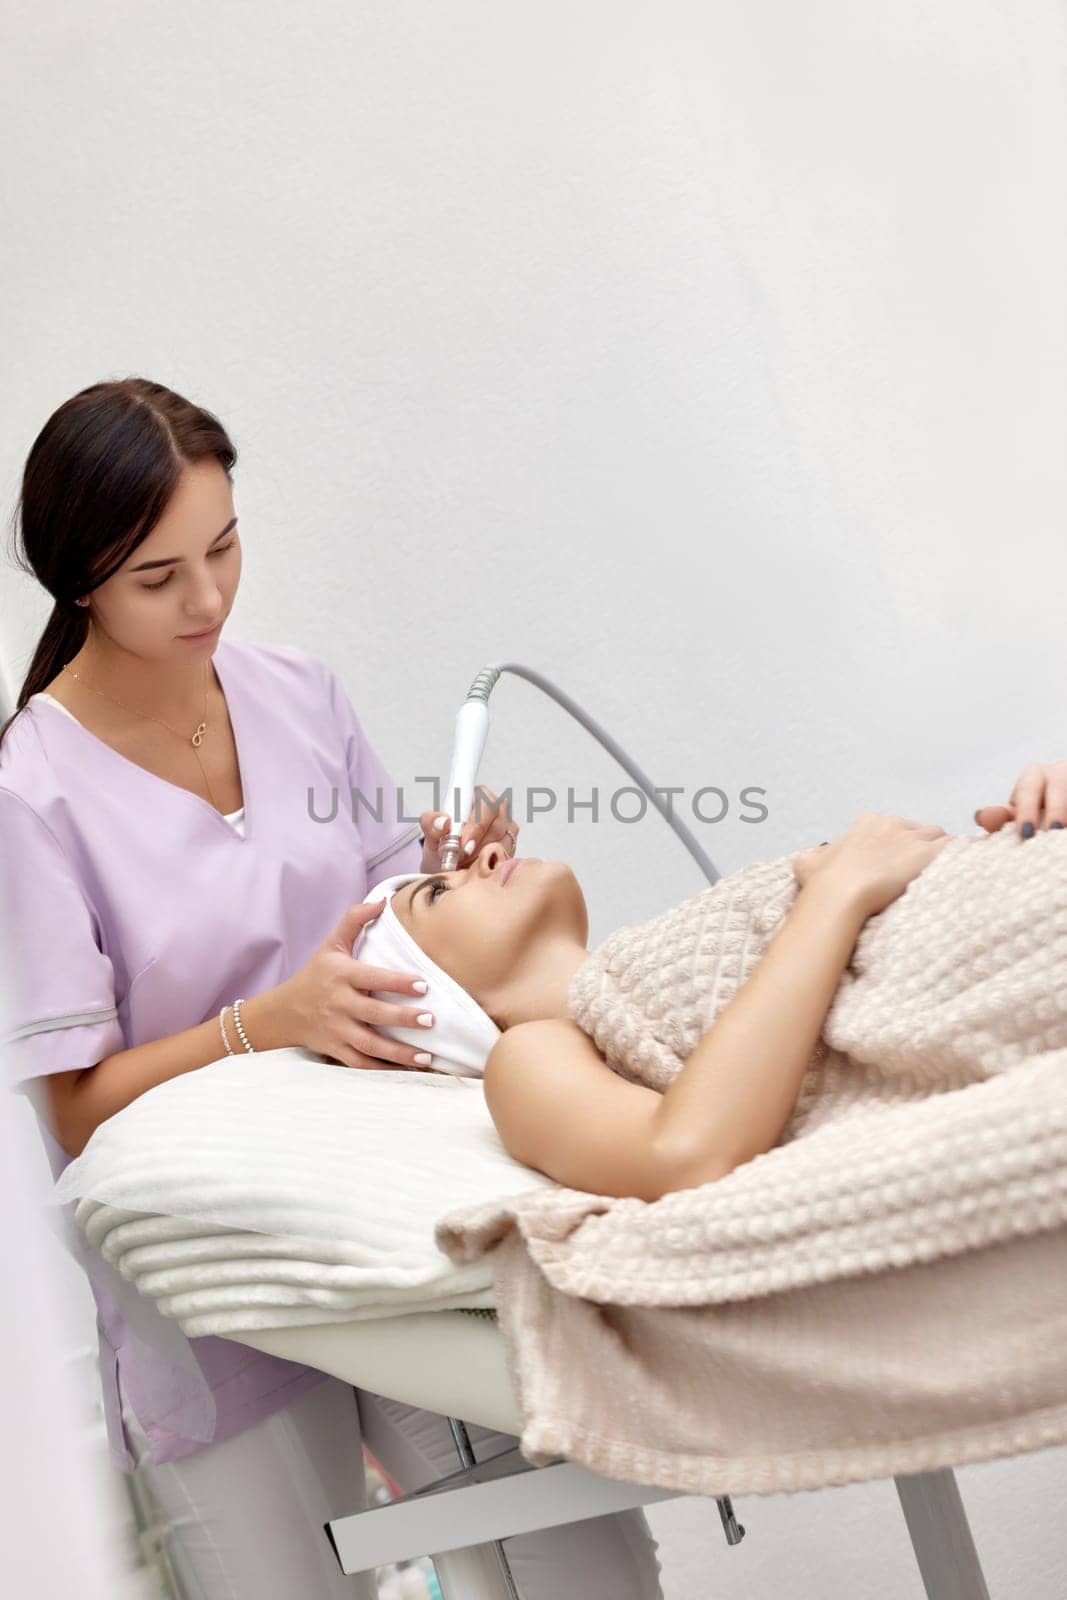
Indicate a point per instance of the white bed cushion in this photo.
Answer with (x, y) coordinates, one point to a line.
(277, 1189)
(451, 1362)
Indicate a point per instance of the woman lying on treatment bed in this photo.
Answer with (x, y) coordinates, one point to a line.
(512, 934)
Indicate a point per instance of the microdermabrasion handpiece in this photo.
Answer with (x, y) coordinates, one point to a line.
(472, 729)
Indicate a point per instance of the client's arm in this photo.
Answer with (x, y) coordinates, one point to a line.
(739, 1085)
(560, 1108)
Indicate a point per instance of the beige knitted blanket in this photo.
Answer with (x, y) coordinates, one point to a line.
(885, 1291)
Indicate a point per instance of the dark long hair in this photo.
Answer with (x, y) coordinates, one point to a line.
(98, 478)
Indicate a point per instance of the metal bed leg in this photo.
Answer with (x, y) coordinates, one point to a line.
(941, 1536)
(461, 1439)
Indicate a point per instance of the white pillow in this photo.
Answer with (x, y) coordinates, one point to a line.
(276, 1188)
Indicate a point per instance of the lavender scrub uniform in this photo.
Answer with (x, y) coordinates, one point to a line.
(136, 910)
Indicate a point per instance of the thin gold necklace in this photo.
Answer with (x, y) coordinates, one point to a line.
(197, 738)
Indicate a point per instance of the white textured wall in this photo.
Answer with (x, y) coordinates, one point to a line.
(711, 359)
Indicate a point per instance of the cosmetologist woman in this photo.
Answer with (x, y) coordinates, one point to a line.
(171, 898)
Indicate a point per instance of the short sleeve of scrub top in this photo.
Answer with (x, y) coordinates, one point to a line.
(60, 986)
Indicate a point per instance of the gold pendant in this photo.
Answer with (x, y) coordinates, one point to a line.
(198, 736)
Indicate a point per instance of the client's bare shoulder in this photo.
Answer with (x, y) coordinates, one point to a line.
(535, 1044)
(560, 1108)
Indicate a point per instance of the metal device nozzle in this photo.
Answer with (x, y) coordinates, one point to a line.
(450, 855)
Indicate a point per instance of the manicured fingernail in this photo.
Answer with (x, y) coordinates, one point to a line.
(1028, 830)
(442, 822)
(420, 986)
(468, 848)
(425, 1019)
(1055, 824)
(423, 1058)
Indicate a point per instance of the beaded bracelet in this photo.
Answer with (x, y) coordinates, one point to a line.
(236, 1008)
(222, 1027)
(237, 1024)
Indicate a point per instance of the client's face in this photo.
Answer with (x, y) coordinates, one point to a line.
(496, 921)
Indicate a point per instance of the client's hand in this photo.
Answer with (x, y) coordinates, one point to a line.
(1039, 800)
(325, 1006)
(874, 861)
(492, 823)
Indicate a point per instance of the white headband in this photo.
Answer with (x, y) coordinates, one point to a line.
(463, 1034)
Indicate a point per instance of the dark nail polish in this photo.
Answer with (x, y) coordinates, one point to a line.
(1055, 824)
(1028, 830)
